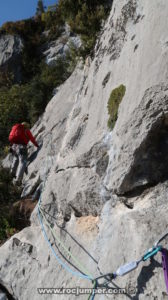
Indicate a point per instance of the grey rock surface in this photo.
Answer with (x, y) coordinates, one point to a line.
(3, 296)
(61, 46)
(104, 193)
(10, 55)
(131, 232)
(141, 157)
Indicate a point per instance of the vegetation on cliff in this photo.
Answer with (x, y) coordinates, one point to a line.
(26, 100)
(114, 101)
(8, 195)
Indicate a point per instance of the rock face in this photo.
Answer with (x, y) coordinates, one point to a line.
(58, 48)
(10, 55)
(103, 193)
(2, 296)
(142, 155)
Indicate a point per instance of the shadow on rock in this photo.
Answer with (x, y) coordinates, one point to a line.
(21, 212)
(33, 156)
(145, 275)
(134, 292)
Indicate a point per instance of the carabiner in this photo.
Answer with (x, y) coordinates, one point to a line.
(151, 252)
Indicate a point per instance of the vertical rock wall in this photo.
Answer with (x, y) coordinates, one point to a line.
(105, 193)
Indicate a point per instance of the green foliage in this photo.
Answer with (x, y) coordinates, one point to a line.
(7, 224)
(27, 102)
(53, 22)
(7, 189)
(39, 91)
(56, 74)
(72, 57)
(4, 225)
(113, 103)
(6, 79)
(30, 31)
(12, 110)
(8, 194)
(40, 8)
(85, 18)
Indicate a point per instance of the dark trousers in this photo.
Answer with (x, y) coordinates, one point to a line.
(19, 161)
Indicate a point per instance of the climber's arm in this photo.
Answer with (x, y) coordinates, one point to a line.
(31, 138)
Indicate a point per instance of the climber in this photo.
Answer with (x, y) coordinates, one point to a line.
(19, 137)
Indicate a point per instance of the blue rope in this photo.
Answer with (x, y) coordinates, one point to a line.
(93, 295)
(52, 249)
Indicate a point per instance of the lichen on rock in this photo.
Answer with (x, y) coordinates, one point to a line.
(114, 101)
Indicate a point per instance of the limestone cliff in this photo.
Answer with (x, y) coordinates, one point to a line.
(105, 193)
(10, 55)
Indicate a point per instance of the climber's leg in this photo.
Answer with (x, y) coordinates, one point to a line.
(22, 163)
(15, 161)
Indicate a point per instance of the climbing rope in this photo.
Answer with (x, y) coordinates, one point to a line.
(83, 269)
(92, 295)
(84, 274)
(121, 271)
(56, 256)
(161, 239)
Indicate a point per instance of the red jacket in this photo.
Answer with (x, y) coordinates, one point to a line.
(20, 135)
(28, 137)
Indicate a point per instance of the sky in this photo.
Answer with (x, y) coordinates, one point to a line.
(13, 10)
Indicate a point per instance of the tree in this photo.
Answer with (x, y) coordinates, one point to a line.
(40, 8)
(85, 18)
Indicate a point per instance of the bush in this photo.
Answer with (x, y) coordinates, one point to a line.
(53, 22)
(113, 103)
(6, 78)
(30, 31)
(4, 227)
(85, 18)
(12, 110)
(27, 29)
(40, 89)
(27, 102)
(8, 191)
(8, 194)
